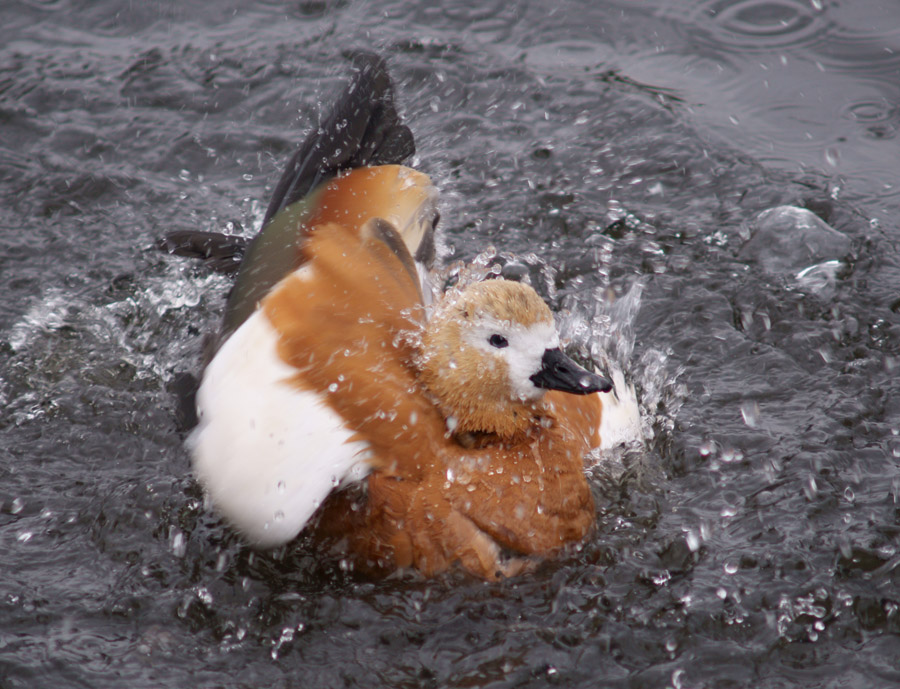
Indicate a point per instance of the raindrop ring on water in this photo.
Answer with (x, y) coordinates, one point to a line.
(759, 25)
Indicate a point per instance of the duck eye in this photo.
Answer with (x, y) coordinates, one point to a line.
(498, 341)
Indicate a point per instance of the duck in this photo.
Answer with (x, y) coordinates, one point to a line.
(346, 398)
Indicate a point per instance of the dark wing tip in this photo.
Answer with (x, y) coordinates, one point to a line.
(362, 128)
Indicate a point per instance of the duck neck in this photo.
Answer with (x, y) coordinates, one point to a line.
(482, 416)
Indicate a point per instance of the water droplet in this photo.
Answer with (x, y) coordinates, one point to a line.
(333, 387)
(287, 635)
(707, 447)
(845, 547)
(279, 516)
(177, 542)
(810, 489)
(731, 455)
(750, 412)
(24, 537)
(693, 541)
(281, 487)
(17, 506)
(731, 567)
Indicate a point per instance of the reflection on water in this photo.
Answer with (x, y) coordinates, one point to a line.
(777, 77)
(759, 26)
(704, 191)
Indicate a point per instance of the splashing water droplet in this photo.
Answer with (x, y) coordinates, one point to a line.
(810, 489)
(750, 412)
(177, 542)
(693, 541)
(845, 547)
(287, 635)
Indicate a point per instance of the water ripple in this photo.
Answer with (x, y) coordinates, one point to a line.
(877, 118)
(759, 25)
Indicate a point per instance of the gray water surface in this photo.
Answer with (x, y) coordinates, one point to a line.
(670, 145)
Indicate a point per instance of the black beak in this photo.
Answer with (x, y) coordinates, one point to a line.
(559, 372)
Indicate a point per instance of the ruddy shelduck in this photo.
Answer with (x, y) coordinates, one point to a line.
(403, 433)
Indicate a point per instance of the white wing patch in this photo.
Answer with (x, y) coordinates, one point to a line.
(266, 453)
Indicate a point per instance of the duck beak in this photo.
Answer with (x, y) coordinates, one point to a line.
(559, 372)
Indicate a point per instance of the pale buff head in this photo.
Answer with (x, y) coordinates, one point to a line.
(490, 352)
(479, 352)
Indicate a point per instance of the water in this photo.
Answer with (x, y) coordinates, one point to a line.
(753, 541)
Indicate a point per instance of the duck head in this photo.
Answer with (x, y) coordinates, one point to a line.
(490, 354)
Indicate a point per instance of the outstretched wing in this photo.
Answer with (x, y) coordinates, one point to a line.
(402, 196)
(349, 323)
(363, 129)
(316, 387)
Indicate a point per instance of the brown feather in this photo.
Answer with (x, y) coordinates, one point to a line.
(349, 325)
